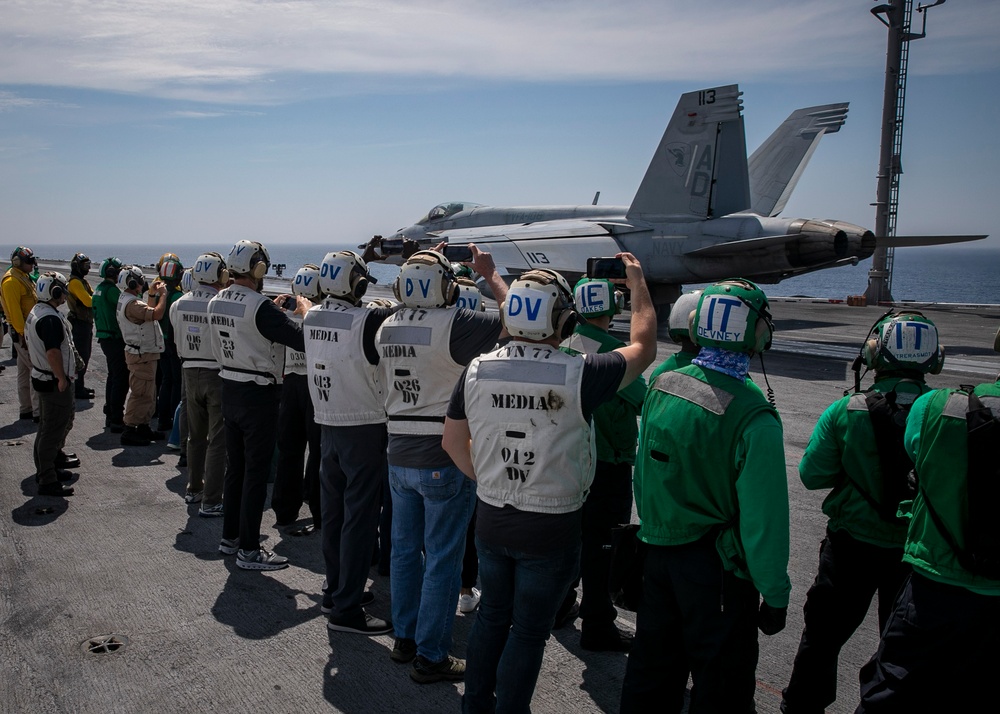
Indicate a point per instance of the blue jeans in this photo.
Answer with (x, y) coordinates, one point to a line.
(521, 594)
(430, 514)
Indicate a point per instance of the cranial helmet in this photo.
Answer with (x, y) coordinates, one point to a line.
(306, 282)
(50, 286)
(469, 296)
(164, 258)
(680, 316)
(732, 315)
(903, 341)
(249, 258)
(110, 267)
(131, 278)
(209, 269)
(426, 280)
(596, 297)
(187, 280)
(539, 305)
(22, 256)
(344, 275)
(80, 264)
(170, 268)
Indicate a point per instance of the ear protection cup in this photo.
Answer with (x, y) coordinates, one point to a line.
(566, 322)
(259, 270)
(359, 285)
(869, 351)
(395, 289)
(57, 292)
(763, 331)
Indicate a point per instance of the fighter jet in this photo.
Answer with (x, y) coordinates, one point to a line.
(703, 212)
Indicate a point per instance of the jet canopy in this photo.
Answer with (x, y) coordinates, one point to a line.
(444, 210)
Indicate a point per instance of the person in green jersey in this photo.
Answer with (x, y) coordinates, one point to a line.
(109, 337)
(679, 331)
(938, 651)
(712, 498)
(857, 451)
(609, 503)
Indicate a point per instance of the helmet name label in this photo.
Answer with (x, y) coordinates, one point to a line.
(723, 319)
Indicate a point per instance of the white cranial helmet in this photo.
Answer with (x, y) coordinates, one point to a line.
(680, 315)
(343, 275)
(539, 305)
(248, 257)
(51, 286)
(306, 282)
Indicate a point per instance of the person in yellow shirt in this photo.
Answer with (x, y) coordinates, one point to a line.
(81, 317)
(17, 295)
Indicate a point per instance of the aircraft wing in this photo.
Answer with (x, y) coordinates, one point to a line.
(559, 245)
(775, 167)
(914, 241)
(735, 247)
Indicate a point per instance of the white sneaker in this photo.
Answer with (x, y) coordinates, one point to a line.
(468, 603)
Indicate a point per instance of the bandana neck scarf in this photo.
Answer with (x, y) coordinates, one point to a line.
(735, 364)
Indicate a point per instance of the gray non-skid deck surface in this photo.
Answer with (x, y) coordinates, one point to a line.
(126, 556)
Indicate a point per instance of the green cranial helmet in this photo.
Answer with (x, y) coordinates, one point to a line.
(597, 297)
(732, 315)
(905, 341)
(110, 267)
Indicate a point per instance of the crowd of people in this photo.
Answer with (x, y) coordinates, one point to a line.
(501, 450)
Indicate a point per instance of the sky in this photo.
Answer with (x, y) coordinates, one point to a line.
(180, 122)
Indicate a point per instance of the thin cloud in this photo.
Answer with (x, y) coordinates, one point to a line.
(235, 51)
(9, 101)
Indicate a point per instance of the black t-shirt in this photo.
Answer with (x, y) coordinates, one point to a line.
(528, 531)
(472, 334)
(50, 330)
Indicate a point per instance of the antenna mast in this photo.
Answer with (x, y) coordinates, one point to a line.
(895, 15)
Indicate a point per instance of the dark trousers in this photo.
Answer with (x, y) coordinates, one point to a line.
(249, 411)
(850, 573)
(608, 505)
(55, 418)
(83, 338)
(470, 562)
(116, 388)
(695, 618)
(296, 430)
(351, 475)
(938, 652)
(169, 394)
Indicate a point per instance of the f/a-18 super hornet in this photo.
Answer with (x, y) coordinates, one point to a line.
(703, 211)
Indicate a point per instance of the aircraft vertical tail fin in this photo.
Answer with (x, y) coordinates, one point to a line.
(775, 167)
(699, 169)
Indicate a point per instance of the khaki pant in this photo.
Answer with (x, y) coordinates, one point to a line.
(27, 399)
(206, 446)
(142, 389)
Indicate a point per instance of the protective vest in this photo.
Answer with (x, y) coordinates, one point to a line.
(78, 310)
(105, 303)
(295, 361)
(345, 388)
(685, 478)
(950, 512)
(616, 427)
(879, 418)
(146, 338)
(40, 367)
(244, 354)
(531, 447)
(192, 334)
(416, 369)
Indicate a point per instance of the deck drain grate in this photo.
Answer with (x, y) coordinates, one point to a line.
(104, 644)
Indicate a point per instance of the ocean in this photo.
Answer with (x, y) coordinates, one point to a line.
(964, 274)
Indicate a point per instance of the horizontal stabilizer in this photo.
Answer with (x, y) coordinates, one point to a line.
(734, 247)
(916, 241)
